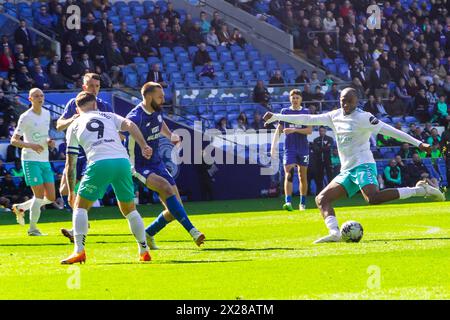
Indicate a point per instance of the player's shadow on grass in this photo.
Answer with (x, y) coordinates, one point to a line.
(251, 249)
(176, 262)
(407, 239)
(32, 244)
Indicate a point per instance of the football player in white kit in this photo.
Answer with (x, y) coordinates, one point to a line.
(353, 128)
(33, 126)
(108, 163)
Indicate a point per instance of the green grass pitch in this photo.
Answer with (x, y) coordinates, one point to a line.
(253, 250)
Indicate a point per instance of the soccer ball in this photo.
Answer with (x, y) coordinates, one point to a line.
(351, 231)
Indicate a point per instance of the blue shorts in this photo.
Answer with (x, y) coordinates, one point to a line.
(81, 167)
(143, 171)
(298, 158)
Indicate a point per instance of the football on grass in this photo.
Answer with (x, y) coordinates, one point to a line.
(351, 231)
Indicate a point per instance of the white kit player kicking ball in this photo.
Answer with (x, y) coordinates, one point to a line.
(108, 163)
(33, 126)
(353, 128)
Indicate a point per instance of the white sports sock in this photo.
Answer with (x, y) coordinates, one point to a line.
(80, 228)
(332, 224)
(46, 201)
(138, 229)
(407, 192)
(35, 212)
(25, 205)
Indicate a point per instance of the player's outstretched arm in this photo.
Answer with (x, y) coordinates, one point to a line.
(135, 132)
(390, 131)
(305, 119)
(275, 140)
(71, 176)
(165, 131)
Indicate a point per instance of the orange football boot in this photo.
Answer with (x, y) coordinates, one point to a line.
(145, 256)
(75, 258)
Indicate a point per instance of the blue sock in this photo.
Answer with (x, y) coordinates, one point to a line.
(177, 210)
(288, 199)
(66, 202)
(303, 199)
(157, 225)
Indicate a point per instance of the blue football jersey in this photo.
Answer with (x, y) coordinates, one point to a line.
(295, 142)
(150, 125)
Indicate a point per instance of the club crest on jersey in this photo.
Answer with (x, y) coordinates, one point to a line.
(159, 118)
(373, 120)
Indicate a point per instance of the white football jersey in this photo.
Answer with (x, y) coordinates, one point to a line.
(34, 128)
(98, 134)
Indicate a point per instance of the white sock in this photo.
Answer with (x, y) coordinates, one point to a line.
(80, 228)
(35, 212)
(406, 193)
(25, 205)
(46, 201)
(332, 224)
(138, 229)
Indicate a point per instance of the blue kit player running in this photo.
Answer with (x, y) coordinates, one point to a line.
(148, 117)
(296, 151)
(91, 84)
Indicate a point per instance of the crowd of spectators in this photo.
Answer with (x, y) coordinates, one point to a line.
(406, 62)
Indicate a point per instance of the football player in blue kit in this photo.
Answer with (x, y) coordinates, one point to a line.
(153, 173)
(296, 151)
(91, 84)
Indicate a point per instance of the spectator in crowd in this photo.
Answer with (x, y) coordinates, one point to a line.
(395, 106)
(22, 36)
(101, 25)
(62, 151)
(87, 63)
(195, 35)
(223, 126)
(56, 79)
(402, 92)
(322, 157)
(378, 80)
(144, 47)
(71, 69)
(97, 51)
(13, 153)
(224, 36)
(303, 77)
(89, 36)
(242, 122)
(155, 75)
(24, 79)
(105, 79)
(54, 62)
(179, 37)
(128, 56)
(43, 20)
(201, 56)
(405, 151)
(329, 47)
(165, 36)
(441, 112)
(7, 61)
(9, 189)
(418, 171)
(421, 107)
(187, 25)
(314, 81)
(261, 94)
(4, 131)
(205, 25)
(17, 170)
(115, 61)
(216, 22)
(307, 95)
(315, 51)
(357, 85)
(257, 123)
(121, 34)
(41, 80)
(392, 175)
(53, 152)
(171, 13)
(212, 39)
(76, 39)
(208, 70)
(3, 170)
(276, 79)
(156, 15)
(237, 38)
(332, 98)
(434, 140)
(329, 22)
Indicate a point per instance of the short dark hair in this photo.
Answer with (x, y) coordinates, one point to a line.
(84, 97)
(149, 87)
(296, 92)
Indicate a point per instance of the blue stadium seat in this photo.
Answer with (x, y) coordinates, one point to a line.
(131, 79)
(175, 76)
(221, 49)
(248, 75)
(152, 60)
(224, 56)
(253, 55)
(182, 57)
(271, 65)
(243, 65)
(148, 6)
(213, 56)
(164, 50)
(220, 75)
(229, 66)
(198, 69)
(142, 67)
(262, 75)
(115, 20)
(233, 75)
(238, 83)
(186, 67)
(171, 67)
(168, 57)
(257, 65)
(251, 83)
(177, 50)
(217, 66)
(192, 50)
(124, 11)
(239, 56)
